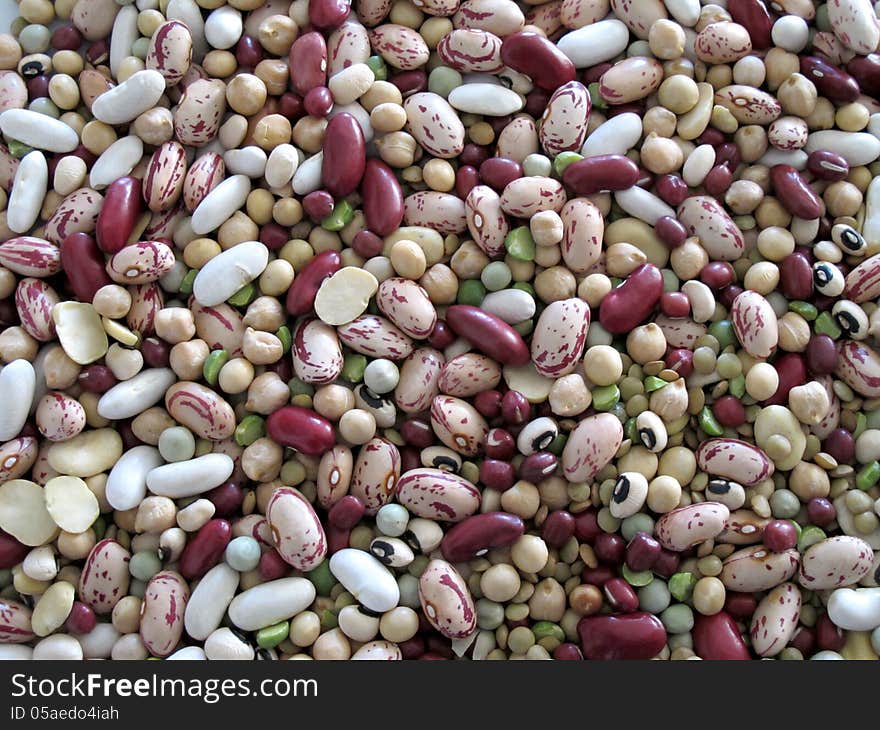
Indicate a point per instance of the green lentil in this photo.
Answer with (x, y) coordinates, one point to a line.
(632, 525)
(520, 640)
(177, 444)
(558, 444)
(737, 386)
(341, 215)
(654, 597)
(728, 365)
(242, 554)
(286, 338)
(353, 366)
(272, 636)
(597, 101)
(186, 284)
(681, 585)
(19, 149)
(244, 296)
(537, 165)
(496, 276)
(99, 527)
(249, 429)
(652, 383)
(861, 425)
(524, 328)
(34, 38)
(213, 365)
(520, 244)
(606, 521)
(722, 331)
(548, 630)
(524, 286)
(490, 615)
(471, 291)
(784, 504)
(328, 620)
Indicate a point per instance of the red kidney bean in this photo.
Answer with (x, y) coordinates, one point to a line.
(248, 51)
(636, 107)
(347, 512)
(711, 136)
(795, 193)
(804, 640)
(592, 74)
(479, 533)
(680, 360)
(442, 336)
(66, 38)
(536, 102)
(292, 106)
(717, 638)
(499, 444)
(827, 165)
(367, 244)
(318, 101)
(302, 292)
(840, 445)
(515, 408)
(308, 62)
(12, 552)
(670, 231)
(466, 179)
(638, 635)
(796, 276)
(610, 548)
(821, 511)
(642, 552)
(728, 294)
(866, 71)
(83, 264)
(81, 619)
(831, 82)
(729, 411)
(538, 58)
(96, 379)
(488, 403)
(412, 648)
(497, 474)
(586, 526)
(474, 155)
(272, 565)
(780, 535)
(489, 334)
(410, 82)
(382, 198)
(602, 172)
(328, 14)
(718, 180)
(740, 605)
(792, 372)
(497, 172)
(629, 304)
(728, 153)
(671, 189)
(156, 352)
(123, 204)
(597, 576)
(717, 274)
(753, 16)
(417, 432)
(274, 236)
(675, 304)
(667, 563)
(301, 429)
(226, 498)
(538, 466)
(828, 636)
(568, 652)
(409, 459)
(558, 528)
(621, 596)
(344, 155)
(317, 205)
(204, 549)
(37, 86)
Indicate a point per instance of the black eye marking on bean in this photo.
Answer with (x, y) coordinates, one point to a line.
(847, 322)
(719, 486)
(822, 275)
(369, 612)
(241, 636)
(851, 240)
(411, 539)
(445, 462)
(373, 400)
(542, 441)
(265, 655)
(31, 69)
(649, 439)
(621, 490)
(383, 551)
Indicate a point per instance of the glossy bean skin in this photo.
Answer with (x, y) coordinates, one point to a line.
(538, 58)
(795, 193)
(302, 293)
(717, 638)
(205, 549)
(753, 15)
(301, 429)
(832, 82)
(479, 533)
(308, 62)
(344, 155)
(119, 213)
(488, 333)
(629, 304)
(602, 172)
(637, 635)
(382, 198)
(84, 265)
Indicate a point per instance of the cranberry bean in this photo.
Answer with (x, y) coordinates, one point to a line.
(488, 403)
(227, 499)
(740, 605)
(610, 548)
(672, 190)
(630, 303)
(96, 379)
(828, 636)
(479, 533)
(382, 198)
(795, 193)
(442, 336)
(866, 71)
(318, 205)
(840, 445)
(717, 274)
(568, 652)
(780, 535)
(497, 474)
(597, 576)
(81, 619)
(637, 635)
(729, 411)
(538, 466)
(681, 361)
(123, 203)
(318, 101)
(302, 292)
(586, 526)
(367, 244)
(718, 180)
(156, 352)
(670, 230)
(667, 563)
(410, 82)
(466, 179)
(675, 304)
(821, 511)
(602, 172)
(12, 552)
(272, 565)
(796, 276)
(248, 51)
(499, 444)
(515, 408)
(328, 14)
(539, 59)
(66, 38)
(488, 333)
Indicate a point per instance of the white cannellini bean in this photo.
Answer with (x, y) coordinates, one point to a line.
(188, 653)
(189, 478)
(250, 161)
(116, 161)
(871, 226)
(595, 43)
(615, 137)
(28, 192)
(229, 271)
(133, 396)
(307, 178)
(370, 582)
(38, 130)
(643, 204)
(124, 103)
(490, 99)
(857, 148)
(127, 483)
(223, 27)
(17, 384)
(125, 33)
(188, 12)
(855, 609)
(208, 603)
(271, 602)
(218, 205)
(281, 165)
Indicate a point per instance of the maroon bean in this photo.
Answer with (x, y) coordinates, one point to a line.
(634, 107)
(592, 74)
(439, 646)
(753, 16)
(66, 38)
(621, 596)
(780, 535)
(642, 552)
(568, 652)
(729, 154)
(627, 306)
(98, 52)
(248, 51)
(718, 180)
(558, 528)
(417, 432)
(410, 82)
(466, 179)
(828, 636)
(667, 563)
(536, 102)
(474, 155)
(670, 231)
(479, 533)
(156, 352)
(827, 165)
(204, 549)
(122, 206)
(717, 637)
(711, 136)
(831, 81)
(412, 648)
(328, 14)
(274, 236)
(729, 411)
(226, 498)
(795, 193)
(610, 548)
(638, 635)
(83, 263)
(804, 640)
(318, 101)
(308, 62)
(499, 444)
(680, 360)
(586, 526)
(283, 368)
(272, 565)
(347, 512)
(515, 408)
(597, 576)
(675, 304)
(409, 459)
(538, 466)
(301, 429)
(497, 172)
(840, 445)
(866, 71)
(671, 189)
(538, 58)
(442, 336)
(382, 198)
(497, 474)
(717, 274)
(796, 276)
(302, 292)
(344, 155)
(792, 372)
(12, 552)
(488, 403)
(489, 334)
(291, 106)
(8, 313)
(821, 511)
(37, 86)
(317, 205)
(367, 244)
(96, 379)
(601, 172)
(740, 605)
(81, 619)
(728, 294)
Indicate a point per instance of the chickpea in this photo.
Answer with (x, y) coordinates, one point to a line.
(679, 94)
(246, 94)
(555, 284)
(357, 426)
(236, 375)
(439, 175)
(666, 39)
(408, 259)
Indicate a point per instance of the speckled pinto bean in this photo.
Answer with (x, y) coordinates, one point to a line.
(407, 305)
(317, 355)
(501, 17)
(835, 562)
(563, 125)
(198, 116)
(583, 229)
(301, 429)
(376, 474)
(34, 300)
(105, 578)
(162, 612)
(376, 336)
(468, 374)
(687, 526)
(30, 256)
(170, 51)
(775, 620)
(434, 124)
(201, 410)
(560, 337)
(458, 424)
(538, 58)
(855, 24)
(488, 333)
(446, 600)
(591, 445)
(419, 380)
(736, 460)
(617, 637)
(526, 196)
(599, 173)
(141, 263)
(205, 174)
(334, 475)
(382, 198)
(296, 530)
(437, 495)
(221, 327)
(754, 323)
(16, 459)
(443, 212)
(77, 213)
(704, 217)
(471, 50)
(858, 365)
(401, 47)
(795, 193)
(629, 80)
(628, 305)
(163, 182)
(15, 622)
(486, 221)
(863, 282)
(756, 568)
(748, 105)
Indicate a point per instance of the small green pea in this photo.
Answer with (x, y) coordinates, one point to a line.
(520, 244)
(293, 473)
(249, 429)
(606, 397)
(329, 621)
(678, 619)
(496, 276)
(722, 330)
(810, 535)
(177, 444)
(44, 105)
(868, 475)
(322, 578)
(637, 578)
(442, 80)
(524, 286)
(213, 365)
(681, 585)
(244, 296)
(563, 160)
(144, 565)
(639, 522)
(558, 444)
(353, 367)
(186, 284)
(490, 615)
(140, 48)
(737, 386)
(471, 291)
(525, 327)
(825, 325)
(19, 149)
(709, 423)
(300, 387)
(341, 215)
(784, 504)
(597, 101)
(861, 425)
(631, 430)
(547, 629)
(34, 38)
(654, 597)
(537, 165)
(99, 526)
(378, 67)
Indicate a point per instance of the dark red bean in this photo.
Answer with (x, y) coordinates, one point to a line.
(122, 206)
(500, 444)
(675, 304)
(248, 51)
(272, 565)
(488, 403)
(740, 605)
(728, 294)
(12, 552)
(129, 440)
(627, 306)
(367, 244)
(671, 189)
(474, 155)
(328, 14)
(718, 180)
(412, 648)
(497, 474)
(466, 179)
(382, 198)
(827, 165)
(226, 498)
(597, 576)
(538, 466)
(442, 336)
(302, 292)
(317, 205)
(204, 549)
(536, 102)
(96, 379)
(680, 360)
(831, 81)
(586, 526)
(301, 429)
(792, 371)
(601, 172)
(156, 352)
(515, 408)
(409, 459)
(417, 432)
(592, 74)
(804, 640)
(81, 619)
(667, 563)
(66, 38)
(717, 275)
(729, 154)
(821, 511)
(642, 552)
(479, 533)
(670, 231)
(729, 411)
(344, 155)
(840, 445)
(610, 548)
(712, 136)
(796, 276)
(753, 16)
(780, 535)
(489, 334)
(828, 636)
(347, 512)
(717, 638)
(795, 193)
(866, 71)
(497, 172)
(621, 596)
(538, 58)
(568, 652)
(84, 265)
(637, 635)
(291, 106)
(38, 87)
(318, 102)
(98, 52)
(558, 528)
(410, 82)
(308, 62)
